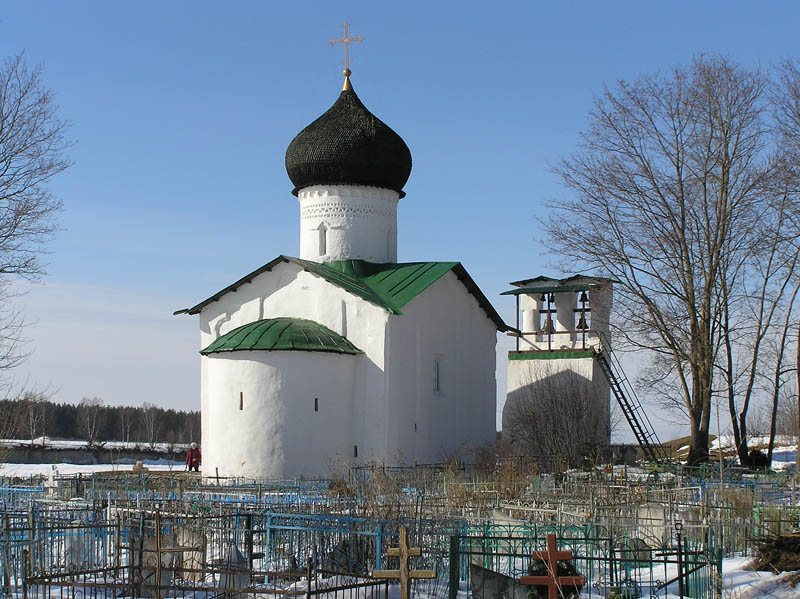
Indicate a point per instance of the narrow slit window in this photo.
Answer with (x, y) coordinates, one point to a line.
(323, 240)
(436, 375)
(316, 404)
(355, 451)
(241, 400)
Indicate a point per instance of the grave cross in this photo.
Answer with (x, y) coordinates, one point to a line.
(404, 574)
(552, 580)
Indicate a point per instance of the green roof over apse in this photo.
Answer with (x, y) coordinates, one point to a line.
(282, 334)
(390, 286)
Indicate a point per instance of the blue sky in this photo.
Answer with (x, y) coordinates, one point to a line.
(182, 111)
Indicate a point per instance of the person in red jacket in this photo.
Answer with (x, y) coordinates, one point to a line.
(193, 458)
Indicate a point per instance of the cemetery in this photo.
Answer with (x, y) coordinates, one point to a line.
(449, 530)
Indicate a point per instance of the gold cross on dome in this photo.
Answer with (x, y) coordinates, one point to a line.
(347, 40)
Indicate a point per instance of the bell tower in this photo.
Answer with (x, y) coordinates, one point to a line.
(553, 376)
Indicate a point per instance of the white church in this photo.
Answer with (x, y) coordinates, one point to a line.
(344, 355)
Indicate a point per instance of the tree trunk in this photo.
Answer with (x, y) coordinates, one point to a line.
(698, 448)
(797, 378)
(741, 449)
(773, 424)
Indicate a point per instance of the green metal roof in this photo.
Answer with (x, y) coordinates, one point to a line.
(397, 284)
(282, 334)
(344, 275)
(390, 286)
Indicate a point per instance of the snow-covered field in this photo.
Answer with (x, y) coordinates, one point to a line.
(31, 470)
(122, 464)
(48, 443)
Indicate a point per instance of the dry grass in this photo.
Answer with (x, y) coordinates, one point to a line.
(778, 554)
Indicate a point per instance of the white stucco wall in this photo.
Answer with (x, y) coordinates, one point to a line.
(288, 290)
(444, 323)
(371, 401)
(524, 375)
(262, 418)
(357, 223)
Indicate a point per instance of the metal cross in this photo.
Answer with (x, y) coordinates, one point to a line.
(346, 40)
(552, 580)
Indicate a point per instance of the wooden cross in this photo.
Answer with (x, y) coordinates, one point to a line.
(404, 574)
(552, 580)
(347, 40)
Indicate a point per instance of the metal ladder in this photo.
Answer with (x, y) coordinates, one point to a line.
(628, 402)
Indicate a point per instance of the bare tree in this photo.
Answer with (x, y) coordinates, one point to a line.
(557, 419)
(148, 414)
(32, 152)
(787, 419)
(32, 146)
(126, 416)
(674, 176)
(33, 414)
(758, 298)
(777, 383)
(9, 426)
(786, 98)
(91, 419)
(189, 429)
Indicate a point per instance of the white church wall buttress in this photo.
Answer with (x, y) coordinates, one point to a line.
(444, 324)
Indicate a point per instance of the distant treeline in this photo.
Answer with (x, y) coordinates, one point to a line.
(91, 420)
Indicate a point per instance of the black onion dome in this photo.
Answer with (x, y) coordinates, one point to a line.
(348, 145)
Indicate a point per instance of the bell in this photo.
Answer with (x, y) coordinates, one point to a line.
(548, 326)
(584, 298)
(582, 322)
(543, 298)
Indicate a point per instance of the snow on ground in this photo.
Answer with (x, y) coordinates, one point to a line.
(739, 582)
(48, 443)
(44, 470)
(783, 453)
(754, 442)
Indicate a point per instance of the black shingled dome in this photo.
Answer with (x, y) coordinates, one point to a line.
(348, 145)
